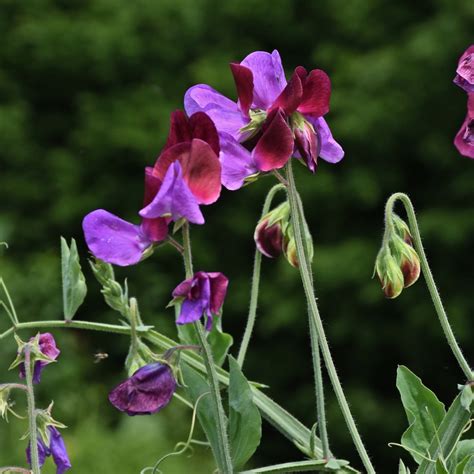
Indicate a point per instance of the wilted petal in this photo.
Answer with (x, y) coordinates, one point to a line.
(114, 240)
(236, 161)
(330, 150)
(58, 451)
(275, 146)
(147, 391)
(268, 78)
(225, 113)
(43, 451)
(174, 199)
(243, 78)
(316, 94)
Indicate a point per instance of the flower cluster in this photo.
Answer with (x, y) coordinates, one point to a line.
(464, 140)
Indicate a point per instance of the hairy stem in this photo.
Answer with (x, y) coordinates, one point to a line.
(35, 465)
(255, 284)
(306, 278)
(430, 283)
(225, 460)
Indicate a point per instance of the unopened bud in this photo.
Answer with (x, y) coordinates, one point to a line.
(389, 273)
(269, 233)
(307, 140)
(290, 248)
(410, 265)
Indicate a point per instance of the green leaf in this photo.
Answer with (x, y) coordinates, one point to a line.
(198, 389)
(466, 466)
(464, 448)
(402, 469)
(449, 432)
(314, 465)
(74, 282)
(424, 412)
(220, 343)
(245, 422)
(440, 467)
(466, 396)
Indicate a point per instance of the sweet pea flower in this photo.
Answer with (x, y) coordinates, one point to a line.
(48, 348)
(272, 120)
(186, 174)
(464, 140)
(56, 449)
(203, 295)
(147, 391)
(465, 70)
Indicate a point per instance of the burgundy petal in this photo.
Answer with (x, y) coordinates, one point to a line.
(203, 127)
(180, 131)
(243, 78)
(156, 229)
(219, 283)
(316, 94)
(291, 96)
(275, 146)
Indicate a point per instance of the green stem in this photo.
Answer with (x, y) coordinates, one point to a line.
(225, 460)
(314, 314)
(14, 469)
(430, 283)
(255, 284)
(113, 328)
(35, 465)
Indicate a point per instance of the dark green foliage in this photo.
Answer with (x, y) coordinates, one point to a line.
(86, 88)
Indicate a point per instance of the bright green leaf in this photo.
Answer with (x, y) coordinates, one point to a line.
(245, 422)
(220, 343)
(466, 466)
(440, 467)
(74, 282)
(423, 409)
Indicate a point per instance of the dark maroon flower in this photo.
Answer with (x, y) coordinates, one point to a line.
(203, 295)
(147, 391)
(47, 347)
(465, 70)
(464, 140)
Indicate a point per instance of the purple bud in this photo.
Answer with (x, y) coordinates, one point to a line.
(147, 391)
(203, 294)
(465, 70)
(269, 239)
(307, 142)
(47, 347)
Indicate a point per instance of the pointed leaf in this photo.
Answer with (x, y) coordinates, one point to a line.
(220, 343)
(440, 467)
(423, 409)
(314, 465)
(74, 282)
(245, 422)
(466, 466)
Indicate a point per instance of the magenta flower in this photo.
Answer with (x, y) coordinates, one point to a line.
(464, 140)
(203, 295)
(272, 120)
(56, 449)
(147, 391)
(465, 70)
(47, 346)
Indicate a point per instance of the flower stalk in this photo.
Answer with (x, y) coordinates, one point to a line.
(35, 465)
(306, 278)
(430, 283)
(224, 458)
(255, 283)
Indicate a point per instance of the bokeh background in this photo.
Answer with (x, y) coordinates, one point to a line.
(86, 88)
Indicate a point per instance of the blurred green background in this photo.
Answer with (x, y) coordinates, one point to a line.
(86, 88)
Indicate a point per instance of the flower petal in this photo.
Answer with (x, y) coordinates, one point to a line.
(243, 78)
(275, 146)
(225, 113)
(291, 96)
(464, 140)
(465, 70)
(268, 78)
(191, 311)
(174, 199)
(203, 127)
(58, 451)
(236, 161)
(43, 452)
(219, 283)
(114, 240)
(330, 150)
(180, 130)
(202, 172)
(155, 229)
(316, 94)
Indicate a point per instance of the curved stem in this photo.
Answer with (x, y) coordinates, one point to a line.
(225, 460)
(430, 283)
(35, 465)
(255, 284)
(306, 278)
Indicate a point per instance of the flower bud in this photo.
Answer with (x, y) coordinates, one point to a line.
(289, 246)
(410, 265)
(389, 273)
(4, 403)
(402, 229)
(269, 233)
(307, 140)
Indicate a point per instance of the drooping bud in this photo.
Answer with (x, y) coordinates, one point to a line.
(389, 273)
(289, 246)
(269, 231)
(402, 229)
(408, 260)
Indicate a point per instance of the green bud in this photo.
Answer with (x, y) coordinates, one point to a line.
(4, 402)
(289, 247)
(389, 273)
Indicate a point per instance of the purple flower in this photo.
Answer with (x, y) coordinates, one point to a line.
(203, 294)
(273, 118)
(465, 70)
(56, 449)
(464, 140)
(147, 391)
(47, 346)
